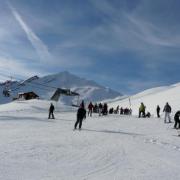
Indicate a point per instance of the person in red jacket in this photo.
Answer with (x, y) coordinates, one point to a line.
(90, 109)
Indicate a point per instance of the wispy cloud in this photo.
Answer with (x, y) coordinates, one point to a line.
(130, 31)
(37, 43)
(10, 66)
(151, 33)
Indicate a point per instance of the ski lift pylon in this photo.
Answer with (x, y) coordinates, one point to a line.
(6, 90)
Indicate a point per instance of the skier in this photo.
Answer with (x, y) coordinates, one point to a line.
(81, 114)
(130, 111)
(142, 109)
(82, 104)
(111, 110)
(148, 115)
(158, 111)
(100, 109)
(117, 110)
(95, 108)
(90, 109)
(121, 110)
(167, 110)
(51, 111)
(177, 120)
(105, 109)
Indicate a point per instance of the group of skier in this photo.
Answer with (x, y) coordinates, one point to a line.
(167, 110)
(122, 111)
(142, 111)
(102, 109)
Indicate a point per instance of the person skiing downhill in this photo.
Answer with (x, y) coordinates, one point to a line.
(81, 114)
(51, 111)
(167, 110)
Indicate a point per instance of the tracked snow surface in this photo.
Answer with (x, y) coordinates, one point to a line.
(111, 147)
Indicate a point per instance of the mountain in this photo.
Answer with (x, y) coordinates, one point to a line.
(151, 98)
(46, 86)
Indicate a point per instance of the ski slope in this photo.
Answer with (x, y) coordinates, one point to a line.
(107, 148)
(151, 98)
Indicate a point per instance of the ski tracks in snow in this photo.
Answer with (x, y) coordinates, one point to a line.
(106, 164)
(162, 144)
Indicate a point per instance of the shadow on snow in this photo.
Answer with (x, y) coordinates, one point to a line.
(12, 118)
(113, 132)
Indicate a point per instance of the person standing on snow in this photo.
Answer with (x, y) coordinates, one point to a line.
(158, 111)
(51, 111)
(82, 104)
(167, 110)
(100, 107)
(142, 109)
(90, 109)
(177, 120)
(105, 109)
(121, 110)
(81, 114)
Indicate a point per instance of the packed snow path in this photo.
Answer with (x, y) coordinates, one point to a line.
(113, 147)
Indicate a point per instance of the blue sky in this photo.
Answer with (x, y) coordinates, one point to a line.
(128, 45)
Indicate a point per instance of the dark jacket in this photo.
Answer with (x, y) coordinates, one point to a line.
(51, 109)
(167, 108)
(176, 116)
(90, 106)
(81, 113)
(158, 108)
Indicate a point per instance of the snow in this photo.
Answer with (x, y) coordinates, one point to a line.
(108, 147)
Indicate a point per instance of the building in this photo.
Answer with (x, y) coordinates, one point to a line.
(27, 96)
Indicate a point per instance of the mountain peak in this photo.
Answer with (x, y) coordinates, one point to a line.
(46, 86)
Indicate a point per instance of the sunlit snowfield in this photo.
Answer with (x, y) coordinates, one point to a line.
(112, 147)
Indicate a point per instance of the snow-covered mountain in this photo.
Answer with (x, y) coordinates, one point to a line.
(151, 98)
(46, 86)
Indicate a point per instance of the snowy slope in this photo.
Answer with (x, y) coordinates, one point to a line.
(113, 147)
(151, 98)
(88, 90)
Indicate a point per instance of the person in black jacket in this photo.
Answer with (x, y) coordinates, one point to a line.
(105, 109)
(82, 104)
(158, 111)
(177, 120)
(100, 108)
(51, 111)
(81, 114)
